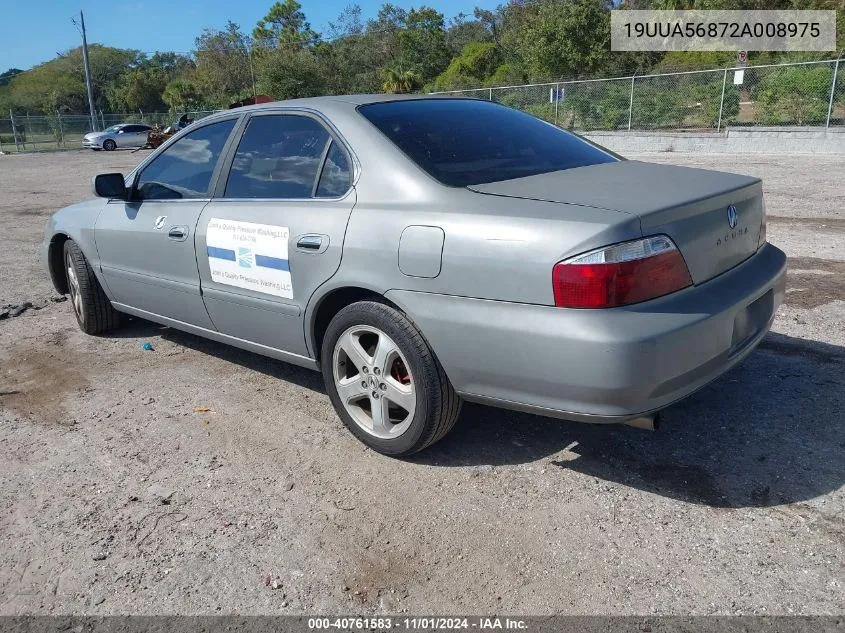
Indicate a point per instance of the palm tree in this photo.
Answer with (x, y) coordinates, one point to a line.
(395, 80)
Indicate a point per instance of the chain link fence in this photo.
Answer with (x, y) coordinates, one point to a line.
(798, 94)
(65, 131)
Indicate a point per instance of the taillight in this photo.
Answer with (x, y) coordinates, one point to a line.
(762, 239)
(621, 274)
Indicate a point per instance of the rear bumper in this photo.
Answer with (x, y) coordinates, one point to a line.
(601, 365)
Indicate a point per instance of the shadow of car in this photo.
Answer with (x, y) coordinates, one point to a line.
(769, 432)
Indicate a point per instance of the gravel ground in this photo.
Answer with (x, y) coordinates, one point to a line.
(118, 496)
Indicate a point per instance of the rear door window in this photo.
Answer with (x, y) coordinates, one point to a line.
(282, 157)
(463, 142)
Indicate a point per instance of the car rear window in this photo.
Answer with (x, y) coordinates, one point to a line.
(464, 142)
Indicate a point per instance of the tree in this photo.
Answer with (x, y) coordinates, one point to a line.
(286, 74)
(285, 26)
(348, 57)
(400, 81)
(561, 38)
(181, 94)
(223, 71)
(477, 62)
(353, 58)
(462, 31)
(139, 89)
(383, 33)
(171, 63)
(44, 89)
(422, 43)
(60, 83)
(6, 77)
(107, 66)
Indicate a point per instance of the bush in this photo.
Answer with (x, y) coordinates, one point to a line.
(477, 61)
(601, 106)
(545, 111)
(797, 95)
(506, 75)
(658, 107)
(289, 75)
(708, 99)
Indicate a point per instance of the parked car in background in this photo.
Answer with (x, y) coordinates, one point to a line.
(123, 135)
(425, 251)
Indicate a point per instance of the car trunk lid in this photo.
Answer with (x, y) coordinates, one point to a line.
(689, 205)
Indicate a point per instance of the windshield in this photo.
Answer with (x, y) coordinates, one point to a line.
(464, 142)
(113, 128)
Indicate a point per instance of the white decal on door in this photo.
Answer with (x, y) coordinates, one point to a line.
(248, 255)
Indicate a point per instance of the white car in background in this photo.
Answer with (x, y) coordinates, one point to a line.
(123, 135)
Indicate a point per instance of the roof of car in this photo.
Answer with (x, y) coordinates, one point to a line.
(354, 100)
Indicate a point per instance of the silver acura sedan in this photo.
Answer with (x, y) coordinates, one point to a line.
(425, 251)
(123, 135)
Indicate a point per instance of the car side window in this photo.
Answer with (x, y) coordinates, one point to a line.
(184, 169)
(336, 175)
(279, 156)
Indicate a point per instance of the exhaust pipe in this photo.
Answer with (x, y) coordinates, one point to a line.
(647, 422)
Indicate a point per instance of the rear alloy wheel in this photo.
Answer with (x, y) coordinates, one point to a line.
(93, 310)
(372, 379)
(109, 145)
(384, 380)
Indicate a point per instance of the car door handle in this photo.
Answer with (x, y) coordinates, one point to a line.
(310, 242)
(178, 233)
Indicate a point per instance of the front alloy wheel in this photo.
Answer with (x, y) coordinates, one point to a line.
(92, 308)
(73, 288)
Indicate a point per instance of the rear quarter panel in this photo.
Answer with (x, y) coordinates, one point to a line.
(493, 247)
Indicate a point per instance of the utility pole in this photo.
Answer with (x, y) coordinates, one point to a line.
(88, 74)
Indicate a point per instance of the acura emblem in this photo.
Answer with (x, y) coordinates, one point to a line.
(732, 216)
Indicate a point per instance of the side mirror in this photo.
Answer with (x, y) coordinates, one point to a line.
(110, 186)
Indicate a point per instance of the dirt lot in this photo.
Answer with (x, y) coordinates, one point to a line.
(117, 497)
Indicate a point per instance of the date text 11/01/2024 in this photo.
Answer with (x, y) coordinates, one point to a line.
(418, 624)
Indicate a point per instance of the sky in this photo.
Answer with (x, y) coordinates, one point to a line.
(150, 25)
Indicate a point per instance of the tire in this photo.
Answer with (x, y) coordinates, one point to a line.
(408, 403)
(109, 145)
(93, 310)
